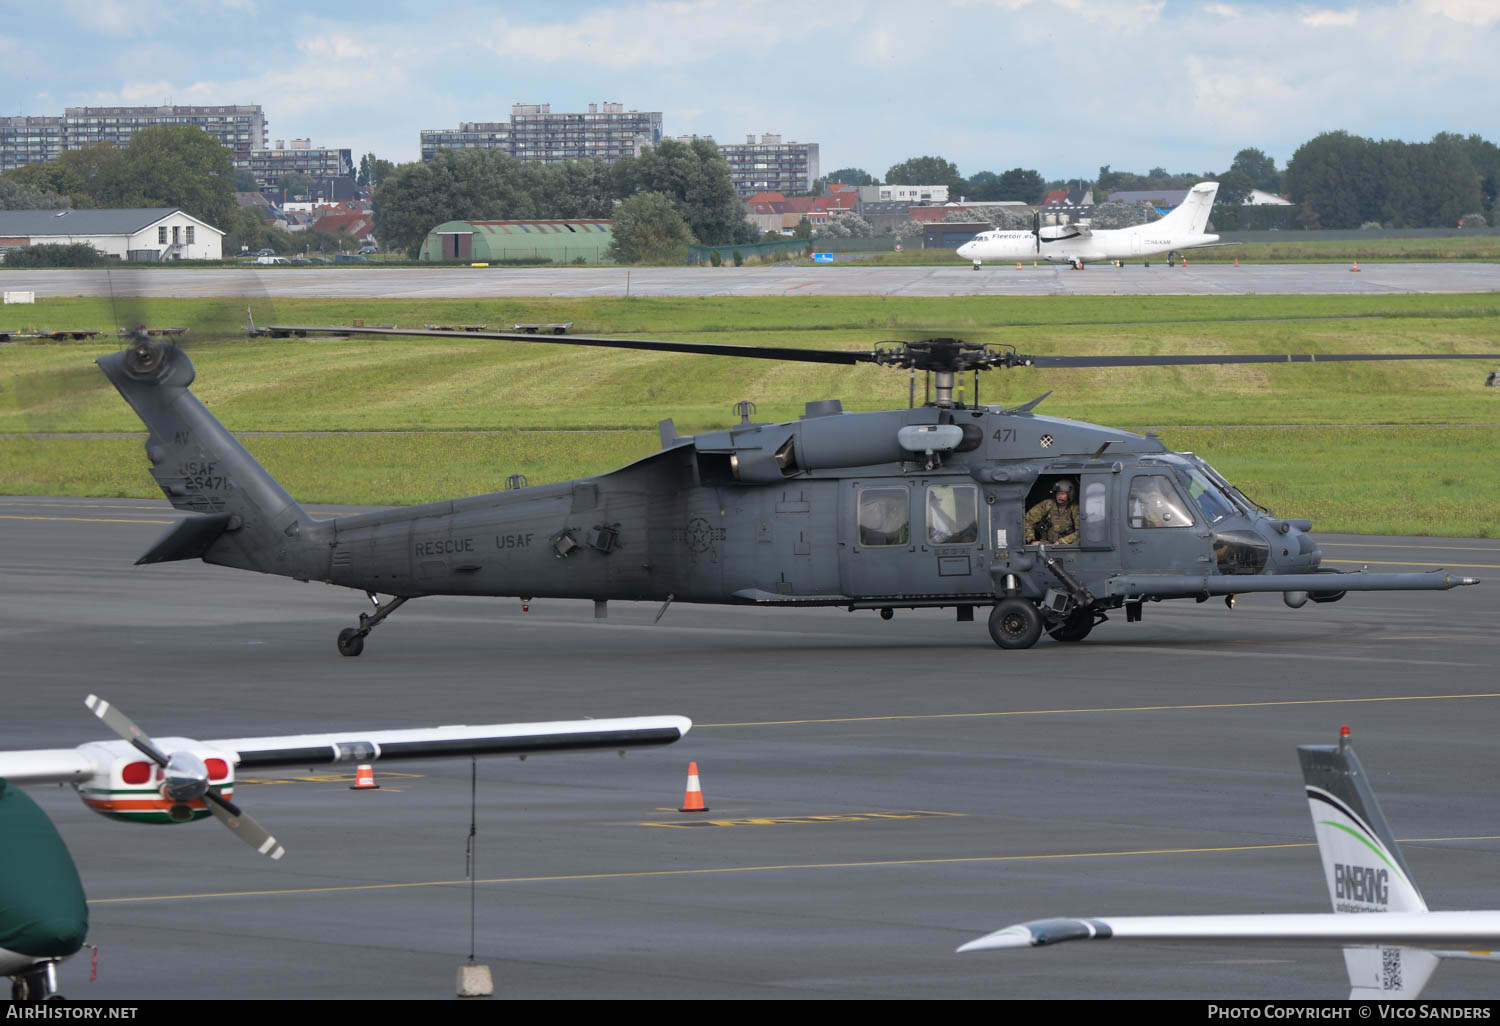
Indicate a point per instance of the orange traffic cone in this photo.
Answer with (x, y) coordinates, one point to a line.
(692, 798)
(364, 779)
(1355, 267)
(1236, 261)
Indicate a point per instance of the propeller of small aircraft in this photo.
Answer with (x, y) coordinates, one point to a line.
(185, 779)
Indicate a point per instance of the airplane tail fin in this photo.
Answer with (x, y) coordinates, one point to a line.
(1191, 215)
(251, 521)
(1363, 867)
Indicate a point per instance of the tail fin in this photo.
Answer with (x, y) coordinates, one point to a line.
(202, 468)
(1364, 868)
(1191, 215)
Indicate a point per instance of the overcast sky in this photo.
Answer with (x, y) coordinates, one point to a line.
(1062, 86)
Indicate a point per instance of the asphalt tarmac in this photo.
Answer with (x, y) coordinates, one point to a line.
(775, 280)
(879, 792)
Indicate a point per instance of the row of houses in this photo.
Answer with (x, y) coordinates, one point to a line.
(353, 217)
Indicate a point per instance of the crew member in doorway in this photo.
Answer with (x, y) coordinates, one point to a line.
(1055, 520)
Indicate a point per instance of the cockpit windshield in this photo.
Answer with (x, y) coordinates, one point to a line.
(1199, 480)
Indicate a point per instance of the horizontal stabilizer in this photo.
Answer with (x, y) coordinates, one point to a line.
(189, 538)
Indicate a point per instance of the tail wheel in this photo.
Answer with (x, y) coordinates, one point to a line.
(1075, 628)
(351, 642)
(1015, 623)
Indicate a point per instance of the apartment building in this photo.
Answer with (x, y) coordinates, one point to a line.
(606, 131)
(771, 165)
(34, 140)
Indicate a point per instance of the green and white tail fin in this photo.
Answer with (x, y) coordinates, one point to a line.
(1390, 954)
(1364, 868)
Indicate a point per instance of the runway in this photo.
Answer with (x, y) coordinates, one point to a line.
(775, 280)
(879, 792)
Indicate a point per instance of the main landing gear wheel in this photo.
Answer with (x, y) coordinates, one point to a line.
(351, 641)
(1015, 623)
(1075, 628)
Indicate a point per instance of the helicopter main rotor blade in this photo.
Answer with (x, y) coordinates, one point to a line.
(242, 826)
(1224, 358)
(834, 356)
(934, 354)
(121, 724)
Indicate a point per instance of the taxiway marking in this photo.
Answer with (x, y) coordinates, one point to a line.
(835, 817)
(775, 868)
(1408, 548)
(1102, 709)
(89, 520)
(1394, 562)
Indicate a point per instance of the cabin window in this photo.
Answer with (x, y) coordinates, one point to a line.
(952, 514)
(884, 516)
(1095, 513)
(1155, 503)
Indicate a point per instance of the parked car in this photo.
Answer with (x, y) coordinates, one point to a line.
(265, 252)
(270, 260)
(350, 258)
(367, 249)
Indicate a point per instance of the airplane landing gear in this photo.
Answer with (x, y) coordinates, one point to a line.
(1077, 263)
(352, 639)
(36, 982)
(976, 265)
(1015, 623)
(1076, 627)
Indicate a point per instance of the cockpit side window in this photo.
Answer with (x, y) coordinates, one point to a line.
(884, 516)
(1155, 503)
(1214, 504)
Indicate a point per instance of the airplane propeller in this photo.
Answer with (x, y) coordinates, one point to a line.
(1036, 229)
(185, 779)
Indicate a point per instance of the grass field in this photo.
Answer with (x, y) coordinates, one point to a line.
(1386, 448)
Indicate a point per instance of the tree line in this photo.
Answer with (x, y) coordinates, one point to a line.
(1340, 180)
(678, 193)
(673, 194)
(1018, 184)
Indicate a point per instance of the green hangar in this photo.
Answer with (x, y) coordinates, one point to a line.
(520, 242)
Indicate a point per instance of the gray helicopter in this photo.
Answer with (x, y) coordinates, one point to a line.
(925, 507)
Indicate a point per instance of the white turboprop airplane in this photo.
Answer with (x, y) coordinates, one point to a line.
(43, 913)
(1390, 955)
(1076, 244)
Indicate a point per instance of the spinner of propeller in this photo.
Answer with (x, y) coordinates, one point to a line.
(185, 779)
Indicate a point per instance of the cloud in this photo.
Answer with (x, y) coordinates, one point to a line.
(339, 48)
(1482, 13)
(655, 34)
(1329, 19)
(1133, 15)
